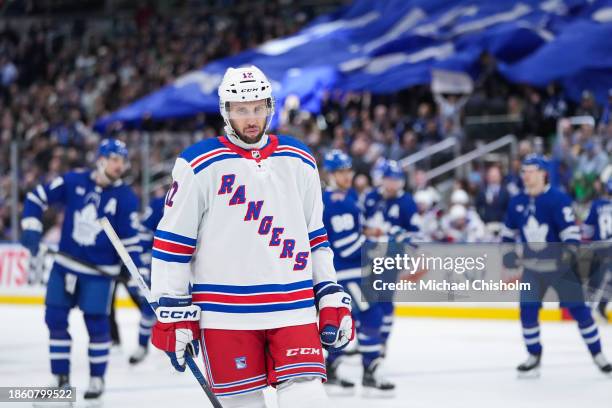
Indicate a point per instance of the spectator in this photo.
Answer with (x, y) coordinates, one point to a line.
(492, 199)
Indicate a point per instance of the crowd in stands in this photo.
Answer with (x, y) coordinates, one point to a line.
(58, 76)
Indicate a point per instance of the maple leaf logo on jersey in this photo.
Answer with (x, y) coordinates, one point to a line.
(534, 231)
(86, 227)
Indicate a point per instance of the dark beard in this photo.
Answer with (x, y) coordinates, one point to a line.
(243, 138)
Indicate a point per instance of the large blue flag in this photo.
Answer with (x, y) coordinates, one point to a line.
(386, 46)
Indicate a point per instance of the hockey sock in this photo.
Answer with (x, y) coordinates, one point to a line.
(387, 321)
(370, 347)
(302, 393)
(331, 357)
(531, 328)
(587, 326)
(147, 320)
(98, 327)
(56, 319)
(248, 400)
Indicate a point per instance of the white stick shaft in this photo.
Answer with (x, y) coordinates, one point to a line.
(125, 257)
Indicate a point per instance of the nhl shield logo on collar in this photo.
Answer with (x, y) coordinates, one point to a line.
(240, 363)
(255, 153)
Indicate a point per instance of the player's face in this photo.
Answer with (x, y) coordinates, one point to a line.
(533, 177)
(392, 186)
(249, 119)
(344, 178)
(115, 166)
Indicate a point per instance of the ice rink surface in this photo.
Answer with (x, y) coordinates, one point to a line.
(434, 362)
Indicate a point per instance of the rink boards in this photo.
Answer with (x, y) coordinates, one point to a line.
(23, 284)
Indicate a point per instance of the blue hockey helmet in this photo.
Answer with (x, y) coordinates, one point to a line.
(393, 170)
(536, 160)
(109, 147)
(335, 160)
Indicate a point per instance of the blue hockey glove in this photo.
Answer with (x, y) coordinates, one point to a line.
(30, 239)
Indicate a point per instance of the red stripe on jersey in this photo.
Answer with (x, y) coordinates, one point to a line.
(172, 247)
(264, 152)
(298, 151)
(317, 240)
(208, 155)
(253, 299)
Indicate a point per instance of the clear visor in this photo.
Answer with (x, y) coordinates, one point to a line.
(239, 110)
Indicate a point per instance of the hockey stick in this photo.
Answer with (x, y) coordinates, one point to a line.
(133, 270)
(101, 271)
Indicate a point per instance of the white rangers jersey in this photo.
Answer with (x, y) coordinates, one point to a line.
(244, 228)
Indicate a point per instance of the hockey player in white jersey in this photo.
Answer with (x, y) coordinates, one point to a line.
(243, 225)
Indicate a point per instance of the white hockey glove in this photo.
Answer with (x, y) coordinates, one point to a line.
(336, 326)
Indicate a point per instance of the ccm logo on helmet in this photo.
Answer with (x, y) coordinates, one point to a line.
(249, 90)
(303, 352)
(178, 314)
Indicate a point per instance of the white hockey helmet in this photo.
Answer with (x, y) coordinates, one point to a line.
(424, 198)
(457, 212)
(460, 197)
(245, 84)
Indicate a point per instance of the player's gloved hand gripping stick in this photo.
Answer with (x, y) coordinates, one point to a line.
(133, 270)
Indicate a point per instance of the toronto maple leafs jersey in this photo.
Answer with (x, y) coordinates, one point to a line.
(598, 224)
(548, 217)
(246, 228)
(342, 218)
(394, 216)
(150, 219)
(84, 203)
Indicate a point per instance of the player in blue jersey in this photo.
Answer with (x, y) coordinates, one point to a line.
(598, 227)
(342, 217)
(391, 214)
(150, 219)
(84, 267)
(539, 215)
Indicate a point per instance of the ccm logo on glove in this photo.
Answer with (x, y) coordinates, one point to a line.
(178, 314)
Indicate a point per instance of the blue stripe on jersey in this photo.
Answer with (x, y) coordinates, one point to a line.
(215, 307)
(289, 154)
(317, 233)
(205, 287)
(200, 148)
(326, 288)
(284, 140)
(208, 162)
(171, 236)
(171, 257)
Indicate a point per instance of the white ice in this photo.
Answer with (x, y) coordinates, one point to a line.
(435, 363)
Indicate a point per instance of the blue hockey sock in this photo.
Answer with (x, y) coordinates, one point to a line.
(587, 326)
(531, 328)
(370, 347)
(60, 341)
(387, 321)
(144, 330)
(98, 327)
